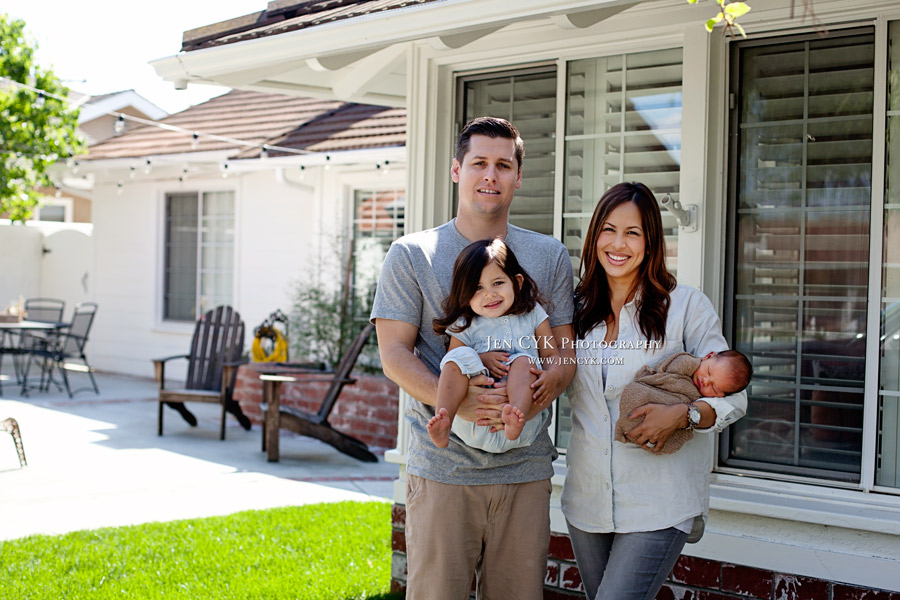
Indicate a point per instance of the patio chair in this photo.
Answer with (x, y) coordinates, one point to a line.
(48, 310)
(59, 348)
(316, 425)
(18, 345)
(213, 361)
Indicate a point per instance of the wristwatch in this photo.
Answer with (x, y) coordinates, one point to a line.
(693, 416)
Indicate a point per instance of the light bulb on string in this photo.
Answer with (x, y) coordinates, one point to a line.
(119, 127)
(195, 141)
(75, 168)
(39, 101)
(387, 167)
(58, 191)
(147, 166)
(120, 187)
(302, 172)
(224, 168)
(133, 171)
(264, 154)
(327, 163)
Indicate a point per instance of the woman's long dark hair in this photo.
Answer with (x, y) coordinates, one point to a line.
(654, 282)
(466, 275)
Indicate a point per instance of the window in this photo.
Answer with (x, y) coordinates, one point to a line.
(199, 253)
(798, 283)
(54, 209)
(528, 100)
(623, 123)
(378, 219)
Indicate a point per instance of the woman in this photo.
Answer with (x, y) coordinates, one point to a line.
(628, 508)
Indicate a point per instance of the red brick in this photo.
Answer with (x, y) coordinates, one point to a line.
(398, 541)
(398, 587)
(847, 592)
(793, 587)
(551, 578)
(697, 572)
(561, 547)
(398, 516)
(571, 578)
(557, 594)
(674, 592)
(747, 581)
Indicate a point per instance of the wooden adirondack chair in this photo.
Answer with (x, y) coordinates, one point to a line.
(317, 425)
(212, 368)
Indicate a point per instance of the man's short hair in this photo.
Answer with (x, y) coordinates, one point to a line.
(492, 127)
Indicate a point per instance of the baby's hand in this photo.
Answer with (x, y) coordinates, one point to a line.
(495, 363)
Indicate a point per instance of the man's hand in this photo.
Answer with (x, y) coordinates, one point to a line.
(483, 404)
(496, 363)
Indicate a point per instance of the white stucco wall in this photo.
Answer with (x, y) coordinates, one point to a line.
(284, 227)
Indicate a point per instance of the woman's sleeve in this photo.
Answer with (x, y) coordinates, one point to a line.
(702, 335)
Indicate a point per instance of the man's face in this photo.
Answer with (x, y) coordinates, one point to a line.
(488, 177)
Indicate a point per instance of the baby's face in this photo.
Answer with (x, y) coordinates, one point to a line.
(713, 377)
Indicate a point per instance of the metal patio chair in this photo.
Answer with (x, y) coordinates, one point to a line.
(58, 349)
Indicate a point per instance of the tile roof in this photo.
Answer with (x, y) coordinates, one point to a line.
(282, 16)
(290, 121)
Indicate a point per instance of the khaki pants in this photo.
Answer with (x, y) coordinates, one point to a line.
(499, 532)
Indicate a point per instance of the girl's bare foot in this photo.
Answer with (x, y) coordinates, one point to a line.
(513, 421)
(439, 428)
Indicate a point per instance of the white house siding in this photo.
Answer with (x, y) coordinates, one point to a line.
(808, 528)
(285, 232)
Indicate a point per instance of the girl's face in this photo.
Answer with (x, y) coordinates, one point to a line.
(621, 244)
(495, 294)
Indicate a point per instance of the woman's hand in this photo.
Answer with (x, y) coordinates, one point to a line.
(496, 363)
(659, 423)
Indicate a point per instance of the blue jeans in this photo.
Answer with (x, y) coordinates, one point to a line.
(625, 566)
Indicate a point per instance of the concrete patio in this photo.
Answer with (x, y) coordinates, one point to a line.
(96, 461)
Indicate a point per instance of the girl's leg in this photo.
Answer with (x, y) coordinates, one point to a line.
(518, 389)
(452, 388)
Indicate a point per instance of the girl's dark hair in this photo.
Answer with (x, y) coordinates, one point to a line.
(654, 282)
(466, 275)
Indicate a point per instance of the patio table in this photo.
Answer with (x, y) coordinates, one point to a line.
(7, 328)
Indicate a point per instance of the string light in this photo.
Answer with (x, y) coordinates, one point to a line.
(75, 168)
(387, 166)
(224, 168)
(120, 187)
(302, 172)
(133, 171)
(58, 191)
(40, 100)
(119, 127)
(327, 163)
(148, 166)
(265, 152)
(195, 141)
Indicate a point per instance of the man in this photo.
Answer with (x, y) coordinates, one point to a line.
(467, 510)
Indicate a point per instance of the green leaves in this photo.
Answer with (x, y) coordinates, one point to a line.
(35, 130)
(729, 14)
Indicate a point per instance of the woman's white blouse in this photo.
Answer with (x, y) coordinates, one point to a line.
(611, 486)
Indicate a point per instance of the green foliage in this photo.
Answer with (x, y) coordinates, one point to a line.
(336, 551)
(33, 134)
(317, 332)
(729, 14)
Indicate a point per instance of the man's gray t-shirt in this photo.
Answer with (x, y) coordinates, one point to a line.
(415, 279)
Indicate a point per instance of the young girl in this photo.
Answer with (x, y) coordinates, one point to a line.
(497, 327)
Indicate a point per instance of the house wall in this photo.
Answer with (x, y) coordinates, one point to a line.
(844, 539)
(285, 232)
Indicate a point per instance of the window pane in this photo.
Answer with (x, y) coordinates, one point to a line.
(216, 250)
(378, 219)
(179, 297)
(528, 100)
(623, 123)
(803, 196)
(887, 465)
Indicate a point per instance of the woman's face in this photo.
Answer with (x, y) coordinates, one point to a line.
(621, 245)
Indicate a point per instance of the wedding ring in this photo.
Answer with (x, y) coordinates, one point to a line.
(650, 444)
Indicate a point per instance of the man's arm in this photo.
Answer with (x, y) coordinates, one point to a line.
(396, 341)
(556, 376)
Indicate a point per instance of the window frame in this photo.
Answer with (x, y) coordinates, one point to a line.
(166, 325)
(879, 27)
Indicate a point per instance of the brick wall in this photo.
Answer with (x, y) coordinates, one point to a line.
(691, 579)
(366, 410)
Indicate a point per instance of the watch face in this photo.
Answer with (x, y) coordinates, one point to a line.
(694, 415)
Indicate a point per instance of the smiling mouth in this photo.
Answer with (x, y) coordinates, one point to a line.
(494, 304)
(617, 258)
(492, 192)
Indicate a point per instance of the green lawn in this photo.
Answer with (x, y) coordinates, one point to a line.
(322, 551)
